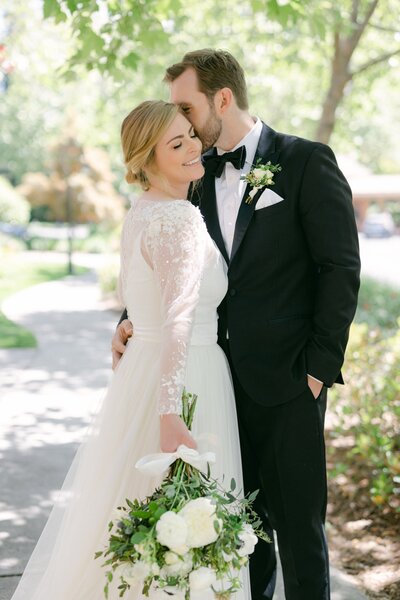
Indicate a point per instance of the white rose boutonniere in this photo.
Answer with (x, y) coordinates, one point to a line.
(260, 176)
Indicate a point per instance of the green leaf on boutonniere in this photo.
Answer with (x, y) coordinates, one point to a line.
(262, 175)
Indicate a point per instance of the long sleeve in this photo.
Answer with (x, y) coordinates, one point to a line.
(329, 223)
(174, 243)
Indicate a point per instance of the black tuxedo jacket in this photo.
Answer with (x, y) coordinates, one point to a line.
(293, 272)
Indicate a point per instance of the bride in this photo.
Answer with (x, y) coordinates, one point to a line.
(172, 280)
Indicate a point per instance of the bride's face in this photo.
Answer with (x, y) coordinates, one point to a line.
(178, 153)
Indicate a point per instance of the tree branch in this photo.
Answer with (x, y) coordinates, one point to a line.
(354, 38)
(354, 11)
(370, 11)
(373, 62)
(382, 28)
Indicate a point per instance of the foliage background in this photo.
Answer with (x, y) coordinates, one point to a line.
(113, 55)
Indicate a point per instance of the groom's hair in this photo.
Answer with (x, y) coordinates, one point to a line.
(215, 70)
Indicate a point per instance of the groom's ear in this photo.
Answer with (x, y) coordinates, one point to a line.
(223, 100)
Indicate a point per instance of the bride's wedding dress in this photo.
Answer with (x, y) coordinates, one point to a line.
(172, 280)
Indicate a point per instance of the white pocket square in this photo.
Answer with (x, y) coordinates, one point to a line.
(268, 198)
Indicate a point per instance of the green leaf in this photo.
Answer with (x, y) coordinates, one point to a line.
(141, 514)
(138, 537)
(159, 512)
(91, 42)
(253, 496)
(72, 5)
(233, 484)
(52, 8)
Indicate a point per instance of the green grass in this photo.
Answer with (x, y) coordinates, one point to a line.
(15, 336)
(16, 274)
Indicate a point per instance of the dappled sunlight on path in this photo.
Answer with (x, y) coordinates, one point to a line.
(47, 397)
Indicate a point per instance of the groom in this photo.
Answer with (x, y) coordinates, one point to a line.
(292, 252)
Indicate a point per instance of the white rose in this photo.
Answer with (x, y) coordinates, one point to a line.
(171, 558)
(136, 573)
(269, 174)
(201, 579)
(207, 594)
(222, 584)
(171, 530)
(199, 515)
(258, 173)
(167, 593)
(248, 539)
(181, 550)
(183, 566)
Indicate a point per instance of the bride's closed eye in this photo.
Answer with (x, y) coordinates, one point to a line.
(192, 135)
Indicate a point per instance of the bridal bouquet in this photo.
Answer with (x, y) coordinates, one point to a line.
(190, 538)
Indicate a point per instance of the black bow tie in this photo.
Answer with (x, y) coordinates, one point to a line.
(215, 163)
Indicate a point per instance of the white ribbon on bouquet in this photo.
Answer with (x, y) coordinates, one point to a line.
(156, 464)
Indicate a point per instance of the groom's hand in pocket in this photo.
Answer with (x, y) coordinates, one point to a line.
(315, 386)
(122, 334)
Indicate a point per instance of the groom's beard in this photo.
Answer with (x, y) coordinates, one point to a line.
(211, 130)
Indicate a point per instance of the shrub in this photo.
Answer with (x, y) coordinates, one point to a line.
(108, 279)
(13, 207)
(378, 305)
(368, 409)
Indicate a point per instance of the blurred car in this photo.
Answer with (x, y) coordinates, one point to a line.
(379, 225)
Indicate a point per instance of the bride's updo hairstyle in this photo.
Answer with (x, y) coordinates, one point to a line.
(140, 132)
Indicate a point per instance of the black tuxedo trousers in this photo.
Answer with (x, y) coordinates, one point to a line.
(283, 455)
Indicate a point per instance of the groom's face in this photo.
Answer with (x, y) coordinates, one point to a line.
(197, 107)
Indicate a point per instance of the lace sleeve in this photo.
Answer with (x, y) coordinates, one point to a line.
(174, 243)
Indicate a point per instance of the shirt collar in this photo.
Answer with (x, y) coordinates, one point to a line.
(250, 140)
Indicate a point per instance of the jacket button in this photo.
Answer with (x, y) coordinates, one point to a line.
(232, 292)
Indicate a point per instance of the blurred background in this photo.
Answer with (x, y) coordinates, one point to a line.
(70, 71)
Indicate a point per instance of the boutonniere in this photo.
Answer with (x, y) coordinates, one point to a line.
(260, 176)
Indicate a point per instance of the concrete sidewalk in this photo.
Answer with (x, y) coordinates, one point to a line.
(47, 397)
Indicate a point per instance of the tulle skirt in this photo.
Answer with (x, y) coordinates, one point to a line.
(102, 474)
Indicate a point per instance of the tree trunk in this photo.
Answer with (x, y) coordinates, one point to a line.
(340, 71)
(340, 76)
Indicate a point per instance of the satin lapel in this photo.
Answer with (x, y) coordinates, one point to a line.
(265, 151)
(208, 207)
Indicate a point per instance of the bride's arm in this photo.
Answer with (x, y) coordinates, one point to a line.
(174, 246)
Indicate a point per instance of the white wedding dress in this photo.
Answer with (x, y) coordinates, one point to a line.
(172, 280)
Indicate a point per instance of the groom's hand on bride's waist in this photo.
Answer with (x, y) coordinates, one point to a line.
(118, 344)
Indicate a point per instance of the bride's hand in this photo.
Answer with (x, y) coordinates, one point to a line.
(173, 433)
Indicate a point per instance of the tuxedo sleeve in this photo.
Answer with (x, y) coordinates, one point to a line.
(328, 221)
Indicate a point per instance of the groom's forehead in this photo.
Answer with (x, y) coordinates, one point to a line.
(185, 88)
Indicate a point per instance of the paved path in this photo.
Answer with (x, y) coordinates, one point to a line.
(47, 396)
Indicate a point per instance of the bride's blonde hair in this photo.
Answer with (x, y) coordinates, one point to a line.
(140, 132)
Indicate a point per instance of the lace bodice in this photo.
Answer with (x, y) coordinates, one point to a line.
(166, 253)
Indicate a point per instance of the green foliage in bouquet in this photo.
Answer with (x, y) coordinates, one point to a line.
(190, 536)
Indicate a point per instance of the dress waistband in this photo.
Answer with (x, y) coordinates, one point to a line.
(199, 337)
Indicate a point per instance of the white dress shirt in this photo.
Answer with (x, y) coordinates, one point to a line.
(229, 189)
